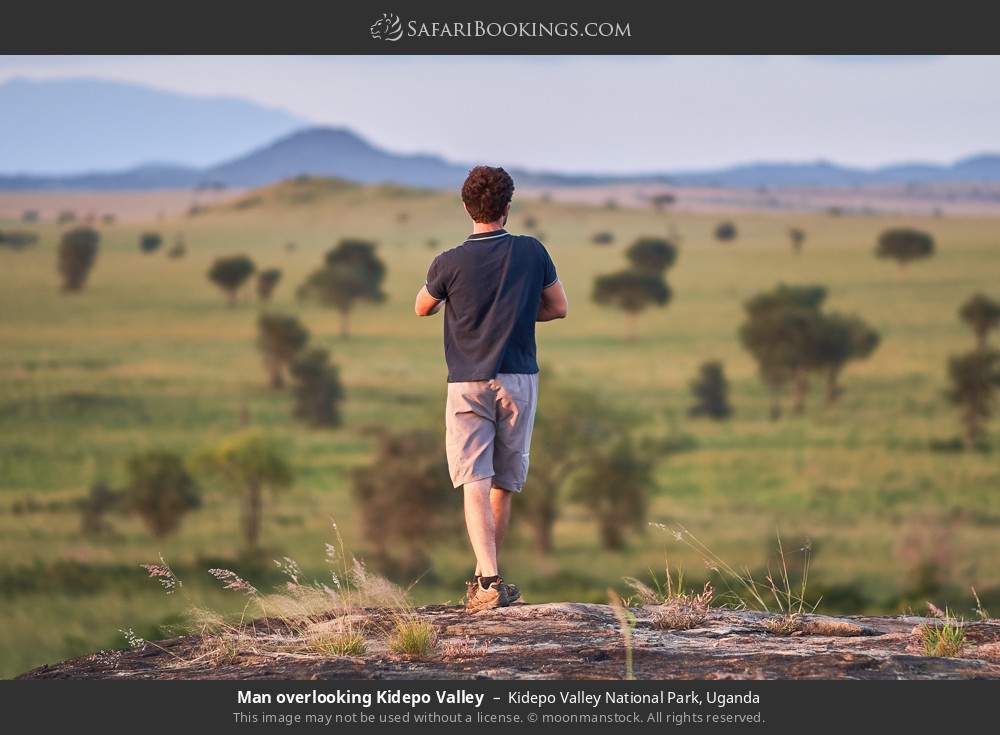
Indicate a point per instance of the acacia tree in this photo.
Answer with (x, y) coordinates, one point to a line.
(279, 338)
(249, 464)
(842, 339)
(160, 490)
(781, 331)
(797, 236)
(318, 391)
(633, 292)
(982, 314)
(791, 338)
(77, 253)
(710, 390)
(904, 245)
(230, 273)
(652, 255)
(615, 484)
(352, 272)
(404, 498)
(974, 379)
(267, 280)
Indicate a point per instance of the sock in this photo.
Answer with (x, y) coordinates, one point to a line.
(485, 582)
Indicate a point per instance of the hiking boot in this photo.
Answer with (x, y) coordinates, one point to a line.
(483, 599)
(513, 592)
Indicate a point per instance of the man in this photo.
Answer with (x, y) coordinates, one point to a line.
(496, 285)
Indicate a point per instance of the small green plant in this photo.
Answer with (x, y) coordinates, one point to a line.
(339, 643)
(944, 639)
(626, 624)
(412, 637)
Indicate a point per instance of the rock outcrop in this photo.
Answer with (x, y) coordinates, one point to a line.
(582, 641)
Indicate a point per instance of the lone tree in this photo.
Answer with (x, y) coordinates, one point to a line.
(405, 498)
(318, 392)
(982, 314)
(230, 273)
(77, 253)
(249, 464)
(615, 485)
(279, 338)
(798, 236)
(711, 392)
(842, 339)
(725, 232)
(652, 255)
(603, 238)
(94, 508)
(160, 490)
(904, 245)
(351, 272)
(632, 291)
(974, 379)
(149, 242)
(267, 280)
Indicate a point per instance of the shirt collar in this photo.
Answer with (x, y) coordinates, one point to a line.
(486, 235)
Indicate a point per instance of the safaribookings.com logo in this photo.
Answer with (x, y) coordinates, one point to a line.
(390, 28)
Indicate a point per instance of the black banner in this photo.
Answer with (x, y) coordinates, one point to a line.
(457, 706)
(516, 27)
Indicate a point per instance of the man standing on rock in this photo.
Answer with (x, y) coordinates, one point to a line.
(496, 285)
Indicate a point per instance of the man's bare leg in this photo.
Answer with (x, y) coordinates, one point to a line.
(500, 506)
(481, 526)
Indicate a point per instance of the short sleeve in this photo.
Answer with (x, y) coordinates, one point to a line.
(437, 283)
(550, 268)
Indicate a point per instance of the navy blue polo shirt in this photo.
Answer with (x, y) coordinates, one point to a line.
(493, 285)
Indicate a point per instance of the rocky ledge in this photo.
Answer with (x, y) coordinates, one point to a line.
(584, 641)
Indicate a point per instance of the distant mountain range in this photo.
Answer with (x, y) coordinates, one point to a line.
(73, 115)
(60, 126)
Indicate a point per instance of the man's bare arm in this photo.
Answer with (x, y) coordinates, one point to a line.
(427, 304)
(554, 303)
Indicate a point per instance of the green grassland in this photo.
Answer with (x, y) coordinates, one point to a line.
(150, 355)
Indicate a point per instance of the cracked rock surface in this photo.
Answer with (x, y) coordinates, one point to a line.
(582, 641)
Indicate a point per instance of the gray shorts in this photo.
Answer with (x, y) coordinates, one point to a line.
(488, 429)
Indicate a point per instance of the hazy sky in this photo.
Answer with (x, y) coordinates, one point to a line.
(606, 113)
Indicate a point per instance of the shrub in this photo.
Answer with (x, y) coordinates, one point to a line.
(904, 245)
(149, 242)
(725, 232)
(17, 239)
(160, 490)
(615, 485)
(982, 314)
(77, 253)
(711, 392)
(318, 391)
(267, 280)
(405, 500)
(602, 238)
(279, 338)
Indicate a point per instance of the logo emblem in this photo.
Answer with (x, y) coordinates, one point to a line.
(387, 28)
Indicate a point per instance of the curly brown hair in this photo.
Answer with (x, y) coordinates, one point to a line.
(486, 192)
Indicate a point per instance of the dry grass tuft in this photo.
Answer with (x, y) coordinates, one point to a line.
(412, 637)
